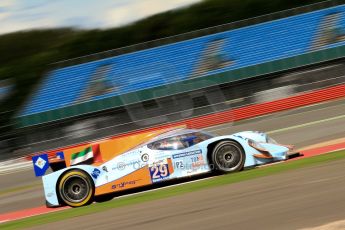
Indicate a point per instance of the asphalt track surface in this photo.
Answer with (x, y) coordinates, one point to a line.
(302, 198)
(301, 127)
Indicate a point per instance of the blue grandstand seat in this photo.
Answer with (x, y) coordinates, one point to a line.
(165, 64)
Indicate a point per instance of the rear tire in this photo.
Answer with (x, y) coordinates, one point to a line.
(75, 188)
(228, 156)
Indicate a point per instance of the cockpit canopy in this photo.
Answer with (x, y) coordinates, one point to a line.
(181, 140)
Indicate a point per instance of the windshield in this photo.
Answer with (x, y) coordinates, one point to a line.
(270, 140)
(180, 141)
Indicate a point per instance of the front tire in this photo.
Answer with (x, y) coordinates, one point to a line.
(228, 156)
(75, 188)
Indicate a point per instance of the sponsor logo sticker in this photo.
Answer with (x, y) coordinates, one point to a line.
(124, 184)
(40, 162)
(123, 165)
(50, 194)
(186, 154)
(145, 157)
(95, 173)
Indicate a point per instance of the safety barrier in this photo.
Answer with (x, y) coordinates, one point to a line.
(268, 107)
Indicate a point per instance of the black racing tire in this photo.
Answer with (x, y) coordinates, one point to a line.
(75, 188)
(228, 156)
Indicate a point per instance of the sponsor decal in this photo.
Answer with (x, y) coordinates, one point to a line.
(145, 157)
(95, 173)
(60, 155)
(40, 164)
(186, 154)
(159, 171)
(161, 156)
(81, 156)
(179, 164)
(123, 165)
(124, 184)
(50, 194)
(158, 162)
(239, 137)
(104, 168)
(197, 161)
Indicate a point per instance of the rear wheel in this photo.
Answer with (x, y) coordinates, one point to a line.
(228, 156)
(75, 188)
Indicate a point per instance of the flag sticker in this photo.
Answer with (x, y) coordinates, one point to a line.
(41, 164)
(81, 156)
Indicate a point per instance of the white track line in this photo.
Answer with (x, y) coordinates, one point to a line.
(306, 124)
(220, 127)
(14, 168)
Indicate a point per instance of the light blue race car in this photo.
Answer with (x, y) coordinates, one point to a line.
(165, 155)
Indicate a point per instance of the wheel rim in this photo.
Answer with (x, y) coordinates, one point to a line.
(228, 157)
(75, 189)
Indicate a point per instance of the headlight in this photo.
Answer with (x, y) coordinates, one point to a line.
(256, 145)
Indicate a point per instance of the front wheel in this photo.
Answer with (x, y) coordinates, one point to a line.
(75, 188)
(228, 156)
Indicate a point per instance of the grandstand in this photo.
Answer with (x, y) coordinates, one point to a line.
(115, 77)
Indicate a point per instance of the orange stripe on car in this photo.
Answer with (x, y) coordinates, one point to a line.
(135, 179)
(170, 166)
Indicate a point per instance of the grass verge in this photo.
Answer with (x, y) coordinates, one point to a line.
(173, 191)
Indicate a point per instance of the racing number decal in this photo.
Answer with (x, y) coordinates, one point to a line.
(159, 172)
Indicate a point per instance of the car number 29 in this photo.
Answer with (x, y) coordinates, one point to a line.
(159, 171)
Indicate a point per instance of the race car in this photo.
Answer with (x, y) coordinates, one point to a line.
(83, 174)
